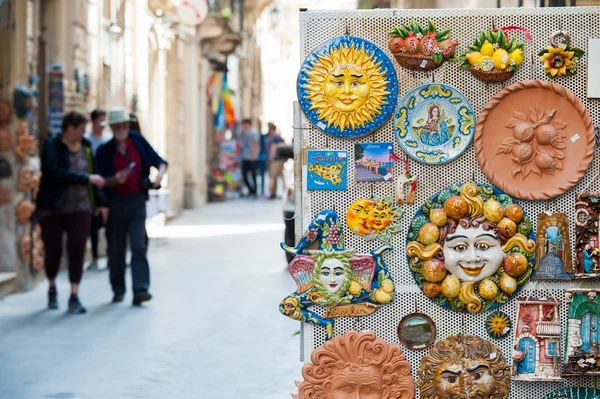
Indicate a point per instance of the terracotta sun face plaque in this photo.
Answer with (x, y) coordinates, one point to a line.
(536, 352)
(463, 366)
(376, 218)
(357, 365)
(553, 247)
(583, 339)
(534, 140)
(346, 283)
(347, 87)
(417, 331)
(469, 248)
(587, 235)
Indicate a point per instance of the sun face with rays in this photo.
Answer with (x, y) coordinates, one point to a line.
(498, 324)
(347, 87)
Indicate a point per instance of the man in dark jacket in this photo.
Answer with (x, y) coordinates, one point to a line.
(125, 162)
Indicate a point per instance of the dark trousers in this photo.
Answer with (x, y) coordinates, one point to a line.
(262, 170)
(97, 224)
(127, 217)
(77, 227)
(250, 167)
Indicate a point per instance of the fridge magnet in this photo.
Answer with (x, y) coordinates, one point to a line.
(534, 140)
(560, 59)
(347, 284)
(421, 48)
(492, 58)
(24, 211)
(373, 162)
(536, 353)
(6, 140)
(434, 123)
(375, 218)
(574, 393)
(470, 248)
(347, 87)
(356, 365)
(417, 331)
(498, 324)
(587, 235)
(583, 335)
(6, 111)
(463, 366)
(327, 169)
(553, 247)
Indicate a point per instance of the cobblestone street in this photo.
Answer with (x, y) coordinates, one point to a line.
(213, 329)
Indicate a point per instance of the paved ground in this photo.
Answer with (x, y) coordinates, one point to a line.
(212, 331)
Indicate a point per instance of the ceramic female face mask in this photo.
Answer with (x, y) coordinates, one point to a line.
(332, 275)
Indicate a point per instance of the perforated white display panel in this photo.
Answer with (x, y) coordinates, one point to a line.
(374, 25)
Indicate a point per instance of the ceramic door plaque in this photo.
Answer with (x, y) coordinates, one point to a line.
(583, 335)
(587, 235)
(553, 247)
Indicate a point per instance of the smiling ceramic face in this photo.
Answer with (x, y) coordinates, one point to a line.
(347, 88)
(473, 254)
(363, 383)
(357, 216)
(379, 219)
(472, 378)
(332, 275)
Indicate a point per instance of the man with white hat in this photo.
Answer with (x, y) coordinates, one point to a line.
(125, 162)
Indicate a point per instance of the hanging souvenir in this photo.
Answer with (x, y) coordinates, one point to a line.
(6, 141)
(470, 248)
(5, 169)
(560, 59)
(38, 249)
(346, 283)
(434, 123)
(553, 259)
(583, 335)
(536, 351)
(375, 218)
(347, 87)
(492, 57)
(24, 211)
(587, 235)
(534, 140)
(327, 170)
(463, 366)
(421, 48)
(22, 100)
(574, 393)
(373, 162)
(25, 142)
(417, 331)
(26, 180)
(498, 324)
(357, 365)
(406, 184)
(6, 112)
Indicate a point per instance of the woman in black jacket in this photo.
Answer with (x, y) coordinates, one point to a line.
(70, 192)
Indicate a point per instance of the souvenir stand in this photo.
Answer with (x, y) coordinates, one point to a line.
(437, 174)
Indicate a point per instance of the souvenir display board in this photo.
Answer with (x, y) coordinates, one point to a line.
(317, 27)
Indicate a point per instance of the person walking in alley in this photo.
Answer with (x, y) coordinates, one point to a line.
(69, 194)
(97, 136)
(125, 162)
(275, 161)
(249, 143)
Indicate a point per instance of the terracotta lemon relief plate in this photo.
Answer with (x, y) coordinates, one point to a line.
(347, 87)
(534, 140)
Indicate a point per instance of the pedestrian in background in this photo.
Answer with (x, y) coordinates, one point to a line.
(97, 136)
(263, 160)
(249, 144)
(275, 161)
(69, 194)
(125, 162)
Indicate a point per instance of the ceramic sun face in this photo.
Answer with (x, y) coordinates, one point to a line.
(347, 87)
(469, 248)
(376, 218)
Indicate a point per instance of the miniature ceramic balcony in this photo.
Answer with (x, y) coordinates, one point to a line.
(548, 328)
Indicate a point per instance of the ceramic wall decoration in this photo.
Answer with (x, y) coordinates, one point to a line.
(536, 351)
(417, 331)
(346, 283)
(373, 162)
(574, 393)
(534, 140)
(24, 211)
(587, 235)
(327, 170)
(492, 57)
(463, 366)
(5, 169)
(25, 142)
(553, 247)
(421, 48)
(38, 249)
(375, 218)
(27, 179)
(25, 248)
(470, 248)
(5, 197)
(347, 87)
(6, 112)
(434, 123)
(583, 335)
(6, 140)
(498, 324)
(22, 100)
(356, 365)
(560, 59)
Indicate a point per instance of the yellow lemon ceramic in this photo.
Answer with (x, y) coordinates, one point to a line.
(486, 63)
(493, 211)
(488, 290)
(473, 57)
(428, 234)
(355, 288)
(438, 217)
(487, 48)
(387, 286)
(382, 297)
(500, 58)
(517, 56)
(451, 286)
(508, 285)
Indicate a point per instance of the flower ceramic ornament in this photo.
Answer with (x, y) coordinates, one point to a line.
(346, 283)
(560, 59)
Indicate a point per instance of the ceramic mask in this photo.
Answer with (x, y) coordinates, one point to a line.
(473, 254)
(357, 365)
(357, 216)
(376, 218)
(583, 352)
(332, 275)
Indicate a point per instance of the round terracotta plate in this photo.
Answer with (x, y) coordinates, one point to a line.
(534, 140)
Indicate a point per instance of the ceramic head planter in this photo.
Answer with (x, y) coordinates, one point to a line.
(553, 247)
(469, 248)
(6, 140)
(347, 87)
(587, 235)
(583, 340)
(357, 365)
(22, 100)
(463, 366)
(25, 142)
(24, 211)
(6, 112)
(26, 181)
(376, 218)
(346, 283)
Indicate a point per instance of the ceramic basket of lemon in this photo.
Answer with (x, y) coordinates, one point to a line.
(417, 47)
(492, 58)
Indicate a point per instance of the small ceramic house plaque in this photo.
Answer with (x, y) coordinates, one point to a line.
(587, 235)
(583, 335)
(553, 248)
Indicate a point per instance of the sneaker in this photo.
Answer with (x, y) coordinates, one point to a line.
(93, 266)
(118, 298)
(52, 299)
(75, 307)
(141, 296)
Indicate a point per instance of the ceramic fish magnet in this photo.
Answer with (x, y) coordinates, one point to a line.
(583, 337)
(587, 235)
(346, 283)
(553, 247)
(536, 352)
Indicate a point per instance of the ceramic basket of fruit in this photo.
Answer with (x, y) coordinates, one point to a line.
(492, 57)
(421, 48)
